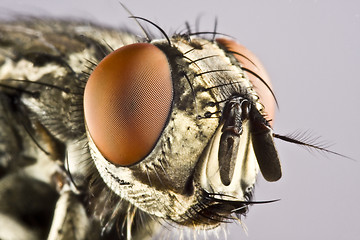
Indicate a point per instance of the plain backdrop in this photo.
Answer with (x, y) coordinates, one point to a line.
(311, 50)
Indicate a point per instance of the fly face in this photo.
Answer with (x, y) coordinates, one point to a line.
(178, 129)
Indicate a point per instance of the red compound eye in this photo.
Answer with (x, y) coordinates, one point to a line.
(127, 101)
(249, 61)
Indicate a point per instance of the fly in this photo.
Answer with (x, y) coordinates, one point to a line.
(120, 135)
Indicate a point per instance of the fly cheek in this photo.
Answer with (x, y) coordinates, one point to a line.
(127, 101)
(261, 132)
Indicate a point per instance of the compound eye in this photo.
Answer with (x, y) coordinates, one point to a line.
(127, 102)
(249, 61)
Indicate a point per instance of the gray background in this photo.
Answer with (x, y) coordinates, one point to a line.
(311, 50)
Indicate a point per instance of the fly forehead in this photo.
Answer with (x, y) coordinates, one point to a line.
(215, 70)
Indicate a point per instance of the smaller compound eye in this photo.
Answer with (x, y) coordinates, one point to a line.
(250, 62)
(127, 102)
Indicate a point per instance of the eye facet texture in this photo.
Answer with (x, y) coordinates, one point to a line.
(249, 61)
(127, 101)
